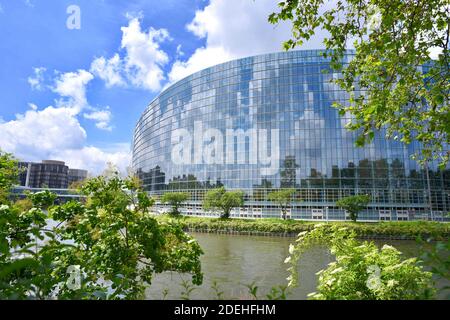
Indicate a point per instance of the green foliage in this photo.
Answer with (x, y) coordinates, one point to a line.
(218, 293)
(275, 293)
(392, 41)
(9, 174)
(175, 199)
(353, 204)
(361, 271)
(397, 229)
(438, 259)
(76, 185)
(116, 244)
(221, 199)
(23, 204)
(283, 198)
(42, 199)
(187, 290)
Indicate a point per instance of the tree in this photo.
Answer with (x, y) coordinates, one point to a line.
(9, 174)
(76, 185)
(175, 199)
(221, 199)
(283, 198)
(353, 204)
(111, 240)
(361, 271)
(404, 91)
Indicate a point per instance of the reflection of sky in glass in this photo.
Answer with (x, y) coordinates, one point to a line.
(287, 91)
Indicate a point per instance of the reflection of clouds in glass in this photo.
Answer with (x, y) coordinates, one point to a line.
(285, 91)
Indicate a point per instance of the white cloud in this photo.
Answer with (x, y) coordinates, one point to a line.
(109, 70)
(234, 29)
(102, 118)
(94, 159)
(72, 85)
(36, 81)
(434, 52)
(179, 52)
(55, 133)
(33, 106)
(202, 58)
(35, 134)
(143, 61)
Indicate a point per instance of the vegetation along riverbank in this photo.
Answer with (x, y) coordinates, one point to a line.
(409, 230)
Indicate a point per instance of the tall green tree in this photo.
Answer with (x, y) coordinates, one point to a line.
(404, 92)
(112, 242)
(9, 174)
(175, 200)
(283, 198)
(223, 200)
(353, 204)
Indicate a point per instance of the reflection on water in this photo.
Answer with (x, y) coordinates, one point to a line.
(236, 261)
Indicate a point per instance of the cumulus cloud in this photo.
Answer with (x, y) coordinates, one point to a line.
(72, 86)
(56, 133)
(109, 70)
(180, 52)
(101, 117)
(143, 61)
(202, 58)
(144, 58)
(234, 29)
(36, 81)
(37, 133)
(94, 159)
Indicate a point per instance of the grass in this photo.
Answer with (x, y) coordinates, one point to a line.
(409, 229)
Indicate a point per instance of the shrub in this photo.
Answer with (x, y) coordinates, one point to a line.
(221, 199)
(175, 199)
(111, 240)
(361, 271)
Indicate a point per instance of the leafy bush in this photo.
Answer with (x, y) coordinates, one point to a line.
(361, 271)
(175, 199)
(9, 174)
(283, 198)
(353, 204)
(408, 229)
(221, 199)
(111, 240)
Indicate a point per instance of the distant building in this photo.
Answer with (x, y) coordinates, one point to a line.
(75, 175)
(48, 174)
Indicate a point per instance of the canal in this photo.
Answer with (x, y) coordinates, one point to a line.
(235, 261)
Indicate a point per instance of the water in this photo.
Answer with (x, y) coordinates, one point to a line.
(234, 261)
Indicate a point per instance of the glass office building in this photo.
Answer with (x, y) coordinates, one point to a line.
(266, 122)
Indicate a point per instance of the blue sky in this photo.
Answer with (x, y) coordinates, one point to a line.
(76, 94)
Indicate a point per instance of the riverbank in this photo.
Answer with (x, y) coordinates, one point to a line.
(391, 230)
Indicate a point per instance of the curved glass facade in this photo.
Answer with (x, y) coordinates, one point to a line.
(267, 122)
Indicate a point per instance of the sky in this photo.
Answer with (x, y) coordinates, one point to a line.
(75, 76)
